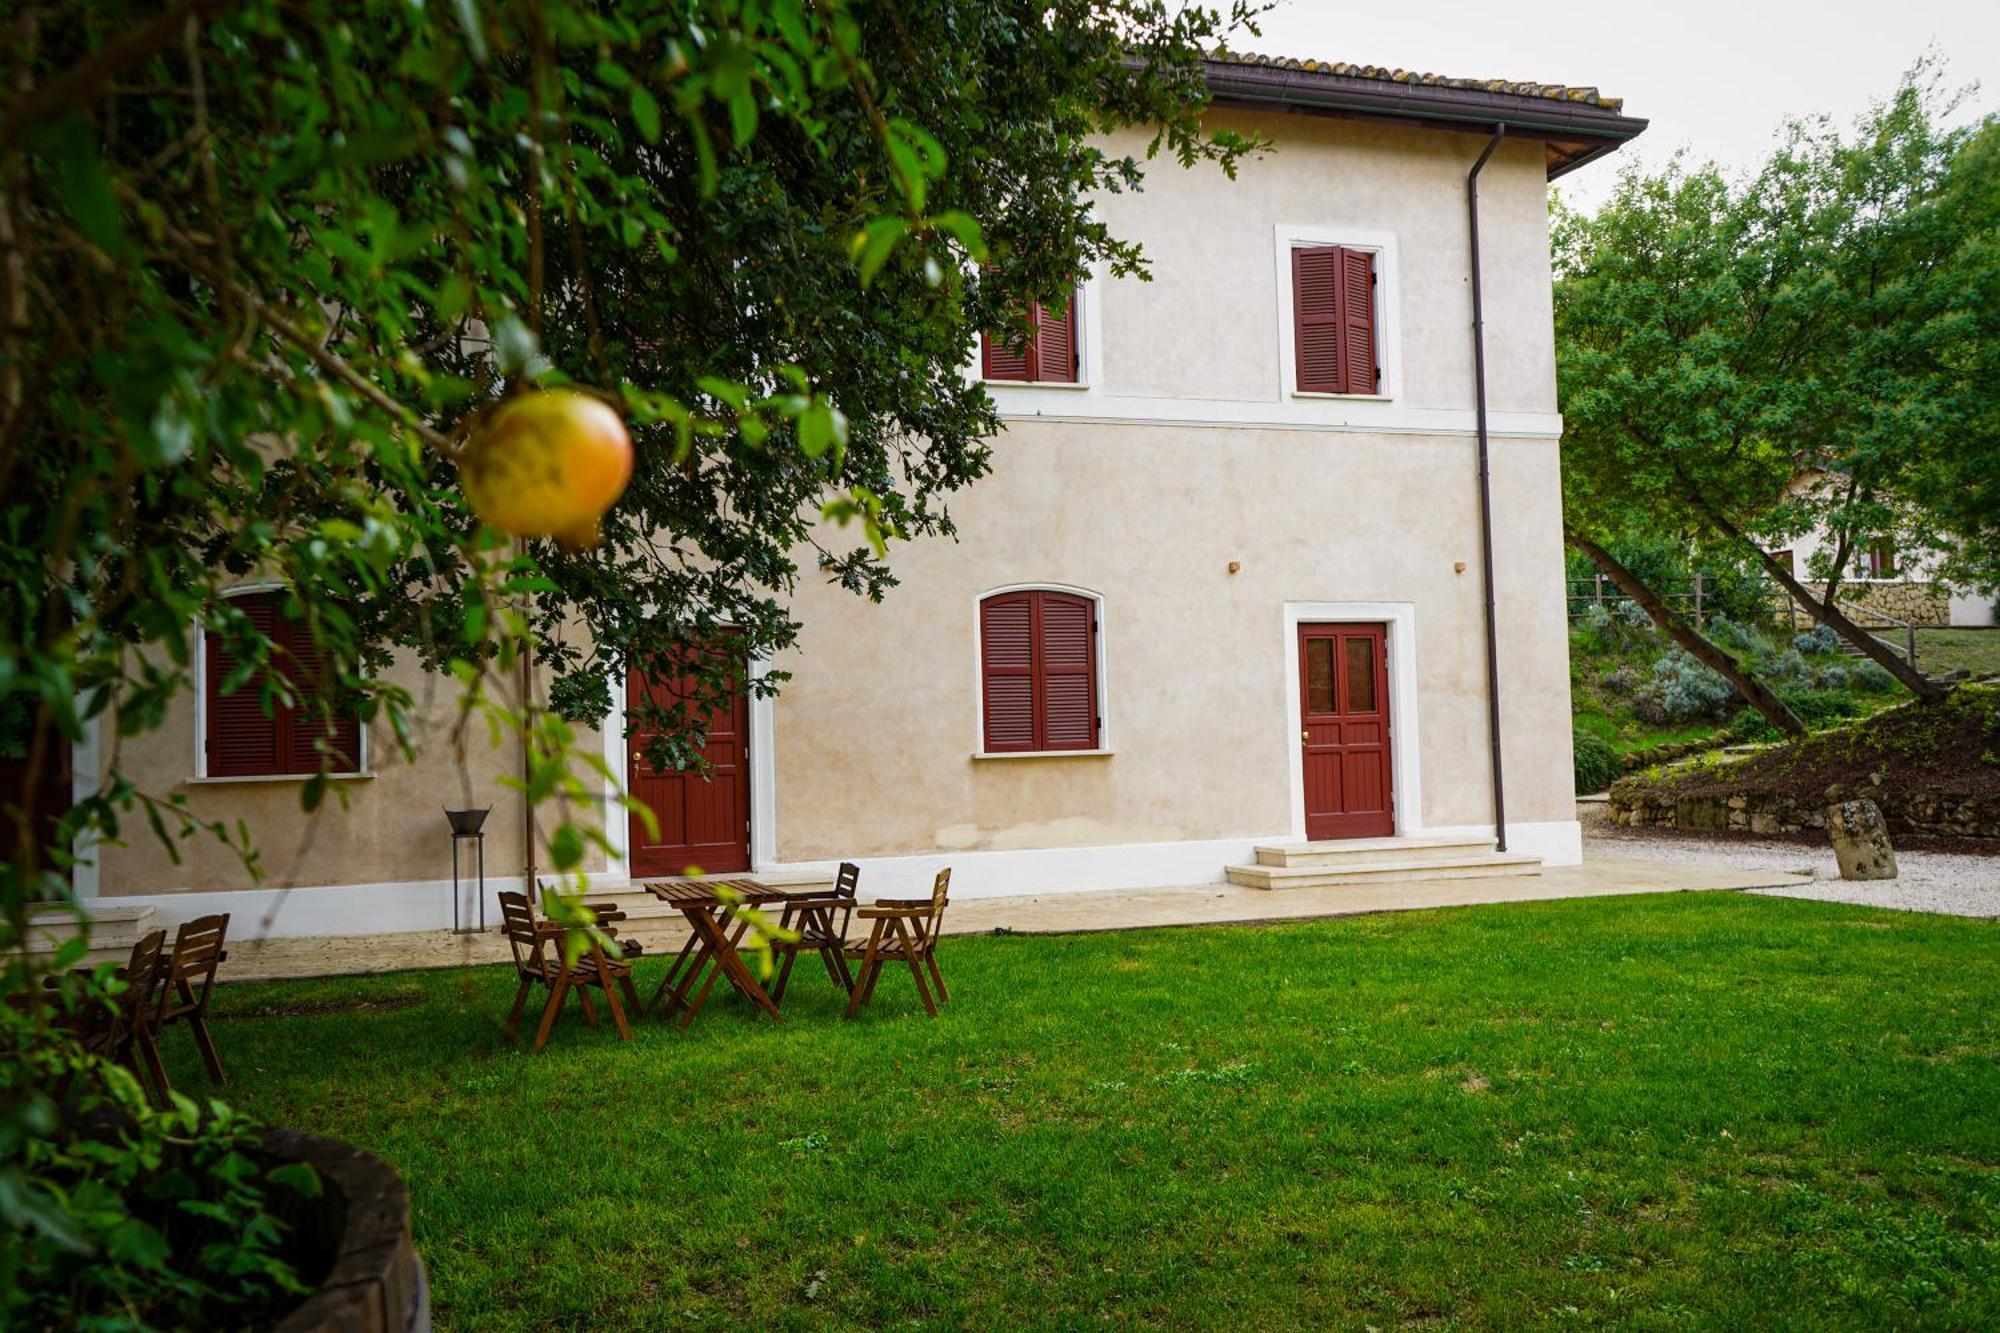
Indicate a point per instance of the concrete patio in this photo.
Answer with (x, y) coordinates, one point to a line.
(1047, 914)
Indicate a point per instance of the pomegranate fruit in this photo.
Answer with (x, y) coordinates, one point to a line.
(547, 464)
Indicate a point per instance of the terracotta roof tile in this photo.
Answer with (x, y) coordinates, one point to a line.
(1554, 92)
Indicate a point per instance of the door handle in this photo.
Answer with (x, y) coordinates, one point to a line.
(1305, 735)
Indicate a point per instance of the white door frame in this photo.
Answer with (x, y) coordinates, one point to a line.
(761, 754)
(1400, 618)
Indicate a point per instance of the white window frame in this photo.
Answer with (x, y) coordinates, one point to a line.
(1292, 236)
(1100, 652)
(201, 713)
(1089, 352)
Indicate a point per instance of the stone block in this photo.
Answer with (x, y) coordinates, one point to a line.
(1860, 840)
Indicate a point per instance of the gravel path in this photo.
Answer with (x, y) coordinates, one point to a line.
(1930, 881)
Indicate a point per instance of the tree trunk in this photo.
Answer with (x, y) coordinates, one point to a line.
(1684, 634)
(1826, 613)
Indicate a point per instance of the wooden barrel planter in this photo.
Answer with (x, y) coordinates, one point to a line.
(356, 1234)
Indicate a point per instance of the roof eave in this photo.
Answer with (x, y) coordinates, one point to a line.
(1458, 108)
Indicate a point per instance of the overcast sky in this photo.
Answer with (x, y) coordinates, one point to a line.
(1716, 76)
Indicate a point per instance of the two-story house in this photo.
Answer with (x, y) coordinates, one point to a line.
(1271, 555)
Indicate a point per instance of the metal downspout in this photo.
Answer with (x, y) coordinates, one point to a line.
(1486, 492)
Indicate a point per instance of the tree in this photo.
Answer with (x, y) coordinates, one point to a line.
(262, 266)
(1714, 343)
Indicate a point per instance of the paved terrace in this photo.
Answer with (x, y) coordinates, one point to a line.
(1050, 914)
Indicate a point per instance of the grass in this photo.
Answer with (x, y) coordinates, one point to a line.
(1668, 1111)
(1973, 650)
(1628, 734)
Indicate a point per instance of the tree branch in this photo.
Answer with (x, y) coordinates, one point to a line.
(83, 80)
(1700, 648)
(328, 361)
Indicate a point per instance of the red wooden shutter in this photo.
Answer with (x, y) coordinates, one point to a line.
(241, 739)
(308, 725)
(1068, 662)
(1038, 667)
(1055, 344)
(1316, 326)
(1357, 321)
(1007, 669)
(1047, 355)
(1001, 362)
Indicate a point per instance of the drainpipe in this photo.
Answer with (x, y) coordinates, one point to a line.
(529, 869)
(1486, 491)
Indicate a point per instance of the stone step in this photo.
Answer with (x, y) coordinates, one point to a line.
(1471, 866)
(1358, 851)
(112, 930)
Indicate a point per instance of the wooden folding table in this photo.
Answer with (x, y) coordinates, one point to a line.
(715, 931)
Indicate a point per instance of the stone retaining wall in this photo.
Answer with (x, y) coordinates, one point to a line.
(1917, 602)
(1930, 810)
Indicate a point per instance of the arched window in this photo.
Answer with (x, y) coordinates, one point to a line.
(243, 738)
(1038, 671)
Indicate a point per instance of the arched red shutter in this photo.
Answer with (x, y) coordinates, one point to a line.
(1316, 325)
(1007, 668)
(310, 726)
(1357, 321)
(1068, 661)
(241, 739)
(1038, 668)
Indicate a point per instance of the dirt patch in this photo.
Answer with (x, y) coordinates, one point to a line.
(314, 1008)
(1934, 770)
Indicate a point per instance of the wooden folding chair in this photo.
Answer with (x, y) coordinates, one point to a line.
(905, 931)
(197, 953)
(539, 960)
(821, 923)
(116, 1028)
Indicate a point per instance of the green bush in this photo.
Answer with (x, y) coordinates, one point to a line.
(1597, 765)
(1817, 709)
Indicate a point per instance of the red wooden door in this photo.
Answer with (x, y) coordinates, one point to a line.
(704, 818)
(1344, 730)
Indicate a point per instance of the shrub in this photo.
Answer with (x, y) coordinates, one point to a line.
(1834, 678)
(1597, 765)
(1817, 709)
(1870, 678)
(1819, 639)
(1634, 615)
(1681, 690)
(1623, 682)
(1738, 637)
(1787, 668)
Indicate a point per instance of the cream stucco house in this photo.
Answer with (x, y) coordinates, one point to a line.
(1227, 588)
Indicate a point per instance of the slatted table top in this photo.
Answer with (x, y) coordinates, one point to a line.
(702, 892)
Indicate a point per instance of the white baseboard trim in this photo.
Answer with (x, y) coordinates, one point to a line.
(335, 909)
(371, 909)
(1559, 842)
(1011, 874)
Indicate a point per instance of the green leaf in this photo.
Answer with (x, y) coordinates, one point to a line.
(133, 1242)
(873, 245)
(646, 112)
(298, 1177)
(84, 187)
(821, 426)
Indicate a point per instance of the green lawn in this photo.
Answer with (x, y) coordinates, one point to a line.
(1684, 1110)
(1974, 650)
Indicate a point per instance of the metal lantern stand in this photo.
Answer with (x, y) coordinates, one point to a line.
(466, 827)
